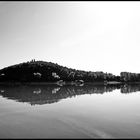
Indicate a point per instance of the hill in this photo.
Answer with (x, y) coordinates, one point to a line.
(41, 71)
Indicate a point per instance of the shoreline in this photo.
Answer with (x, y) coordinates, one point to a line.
(68, 83)
(51, 83)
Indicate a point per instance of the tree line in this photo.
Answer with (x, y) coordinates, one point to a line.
(41, 71)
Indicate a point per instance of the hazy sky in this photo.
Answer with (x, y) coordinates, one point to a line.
(93, 36)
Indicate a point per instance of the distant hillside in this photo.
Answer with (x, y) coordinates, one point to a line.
(41, 71)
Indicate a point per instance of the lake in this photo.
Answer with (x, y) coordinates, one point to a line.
(53, 111)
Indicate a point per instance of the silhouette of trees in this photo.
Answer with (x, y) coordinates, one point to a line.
(129, 77)
(51, 72)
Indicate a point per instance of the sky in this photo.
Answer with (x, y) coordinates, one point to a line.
(91, 36)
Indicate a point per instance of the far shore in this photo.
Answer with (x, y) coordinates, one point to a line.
(54, 83)
(67, 83)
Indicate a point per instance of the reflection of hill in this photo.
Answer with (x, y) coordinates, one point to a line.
(50, 94)
(127, 88)
(47, 94)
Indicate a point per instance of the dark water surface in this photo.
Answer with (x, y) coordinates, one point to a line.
(52, 111)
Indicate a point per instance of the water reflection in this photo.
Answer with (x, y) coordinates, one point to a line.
(130, 88)
(47, 94)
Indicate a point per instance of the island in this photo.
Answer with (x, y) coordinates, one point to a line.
(48, 72)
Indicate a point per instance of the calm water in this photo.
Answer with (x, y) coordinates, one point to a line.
(52, 111)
